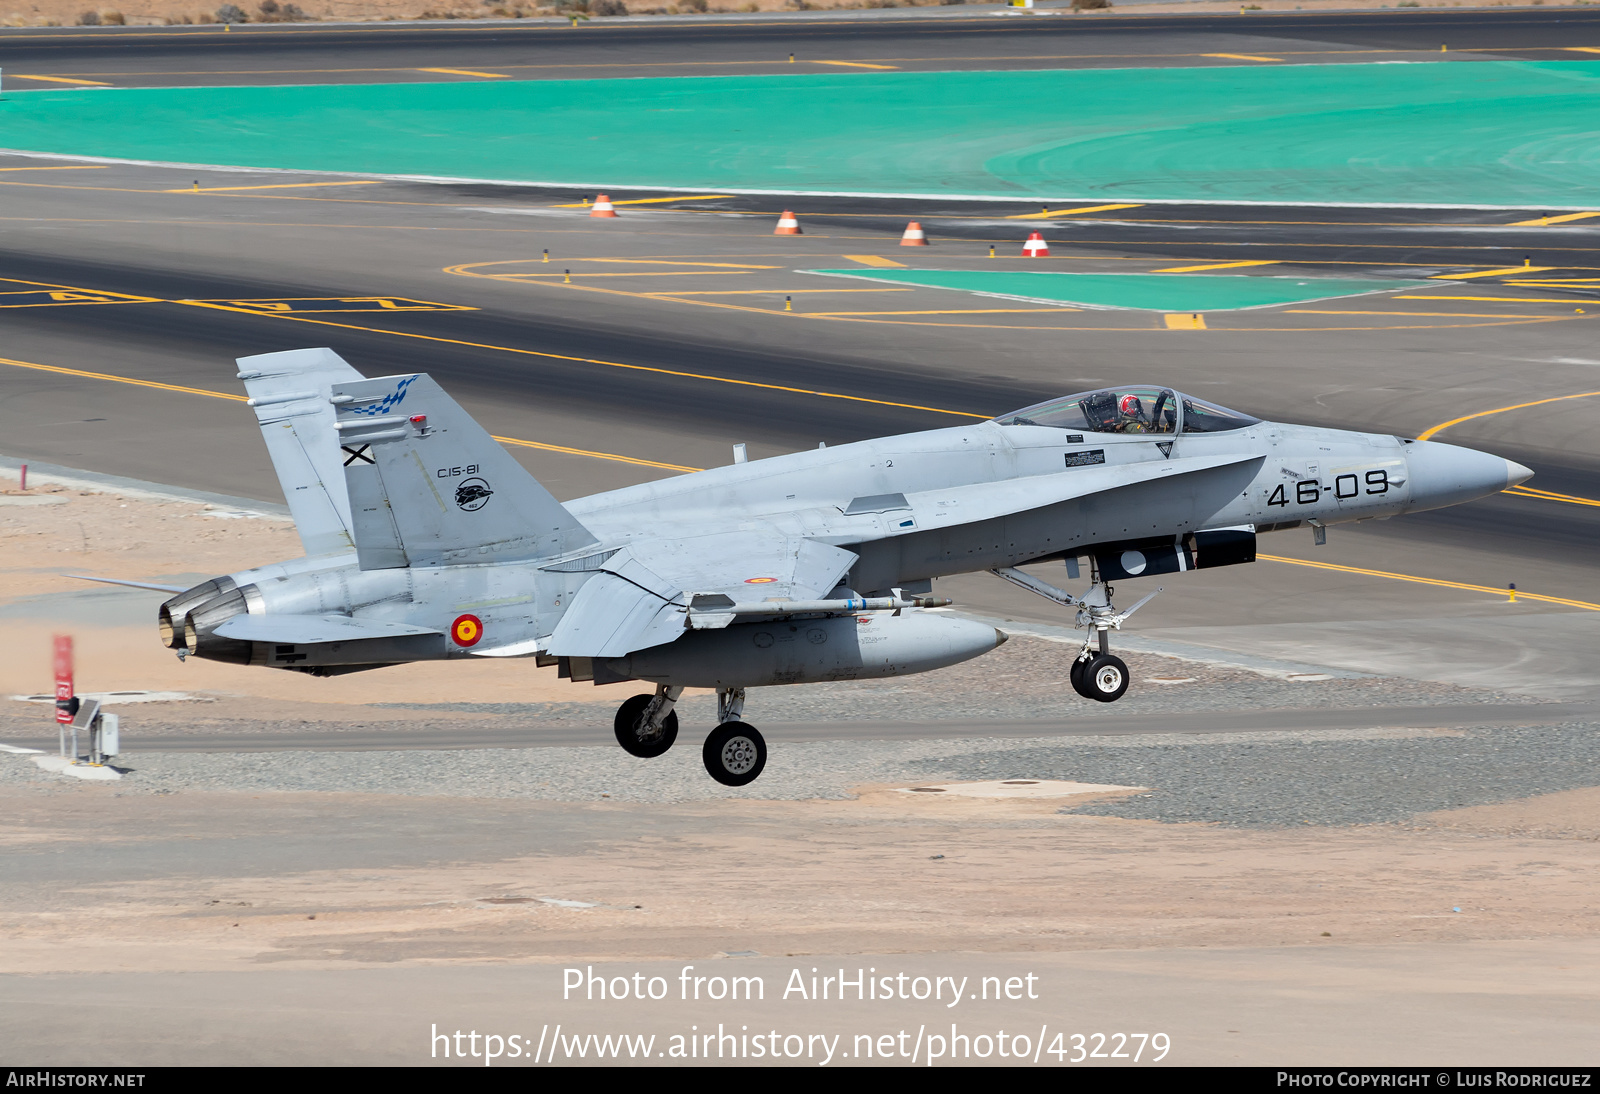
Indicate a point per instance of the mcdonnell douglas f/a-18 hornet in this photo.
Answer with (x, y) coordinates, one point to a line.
(424, 540)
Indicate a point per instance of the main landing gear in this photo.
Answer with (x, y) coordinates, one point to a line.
(734, 754)
(1096, 672)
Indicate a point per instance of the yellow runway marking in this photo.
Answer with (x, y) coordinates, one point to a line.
(592, 360)
(1218, 266)
(876, 260)
(61, 299)
(240, 398)
(647, 201)
(1049, 215)
(1548, 495)
(1442, 426)
(1433, 581)
(1423, 314)
(1507, 272)
(655, 262)
(284, 305)
(61, 80)
(274, 186)
(1542, 221)
(467, 72)
(851, 64)
(1582, 282)
(1581, 49)
(122, 380)
(763, 292)
(969, 311)
(523, 277)
(78, 167)
(1186, 321)
(1241, 57)
(1493, 299)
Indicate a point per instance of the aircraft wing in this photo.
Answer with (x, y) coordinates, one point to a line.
(639, 597)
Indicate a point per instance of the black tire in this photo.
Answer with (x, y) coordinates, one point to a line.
(1105, 678)
(1078, 665)
(629, 715)
(735, 753)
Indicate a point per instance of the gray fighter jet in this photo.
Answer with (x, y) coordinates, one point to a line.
(425, 540)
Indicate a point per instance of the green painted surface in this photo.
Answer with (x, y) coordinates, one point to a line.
(1493, 132)
(1148, 292)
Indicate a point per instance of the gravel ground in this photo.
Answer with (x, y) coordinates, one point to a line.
(1025, 678)
(1334, 777)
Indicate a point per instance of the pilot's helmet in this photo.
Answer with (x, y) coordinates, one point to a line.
(1130, 407)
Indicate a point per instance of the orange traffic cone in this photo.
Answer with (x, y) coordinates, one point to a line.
(787, 225)
(602, 207)
(1036, 247)
(914, 236)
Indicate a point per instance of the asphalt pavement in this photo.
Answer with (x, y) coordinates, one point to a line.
(932, 41)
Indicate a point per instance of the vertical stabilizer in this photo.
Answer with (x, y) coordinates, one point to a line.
(428, 487)
(289, 393)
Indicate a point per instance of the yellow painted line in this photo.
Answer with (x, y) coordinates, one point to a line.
(1425, 314)
(122, 380)
(1549, 495)
(1580, 49)
(60, 80)
(1582, 282)
(1241, 57)
(87, 292)
(876, 260)
(1493, 299)
(851, 64)
(588, 360)
(1186, 321)
(1564, 218)
(646, 201)
(1442, 426)
(467, 72)
(663, 262)
(1520, 595)
(1048, 215)
(1507, 272)
(275, 186)
(971, 311)
(240, 398)
(630, 273)
(612, 456)
(1218, 266)
(79, 167)
(764, 292)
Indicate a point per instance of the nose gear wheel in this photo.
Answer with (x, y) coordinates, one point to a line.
(637, 736)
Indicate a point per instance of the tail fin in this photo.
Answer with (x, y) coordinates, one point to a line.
(428, 487)
(289, 392)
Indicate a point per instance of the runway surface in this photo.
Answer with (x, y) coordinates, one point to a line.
(187, 56)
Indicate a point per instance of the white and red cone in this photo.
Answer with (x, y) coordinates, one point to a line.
(602, 207)
(787, 225)
(914, 237)
(1036, 247)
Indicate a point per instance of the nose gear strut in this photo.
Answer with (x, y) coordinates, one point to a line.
(1096, 673)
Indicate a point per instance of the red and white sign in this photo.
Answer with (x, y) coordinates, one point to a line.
(63, 660)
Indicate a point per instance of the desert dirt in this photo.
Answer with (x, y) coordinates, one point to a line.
(885, 873)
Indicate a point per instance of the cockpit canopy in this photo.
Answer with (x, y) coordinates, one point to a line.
(1130, 410)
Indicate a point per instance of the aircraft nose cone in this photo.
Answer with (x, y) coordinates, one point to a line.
(1445, 474)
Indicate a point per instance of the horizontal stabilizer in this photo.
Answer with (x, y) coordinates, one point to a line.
(307, 630)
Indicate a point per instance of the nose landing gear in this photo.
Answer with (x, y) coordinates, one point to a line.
(1096, 674)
